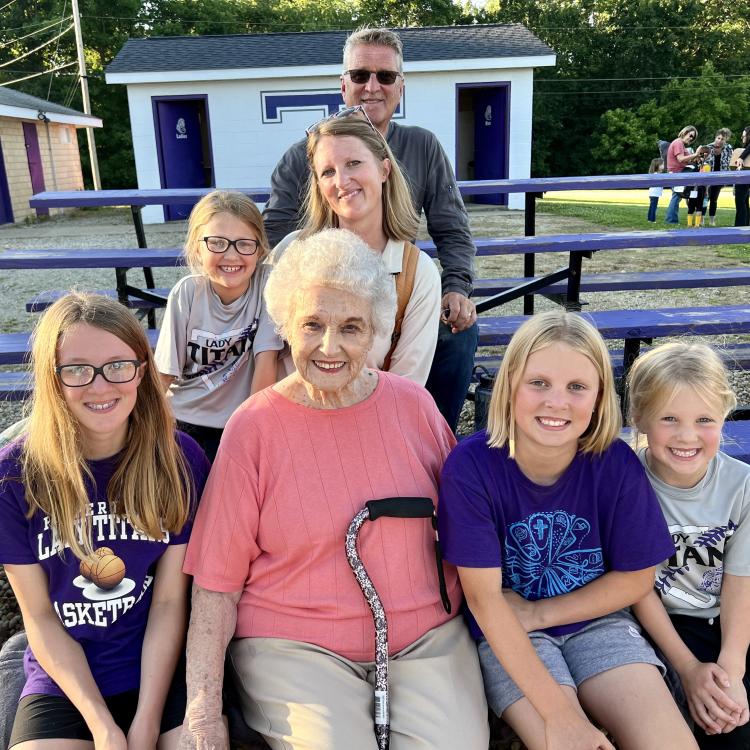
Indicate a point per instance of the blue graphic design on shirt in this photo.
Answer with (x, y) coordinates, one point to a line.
(545, 555)
(711, 582)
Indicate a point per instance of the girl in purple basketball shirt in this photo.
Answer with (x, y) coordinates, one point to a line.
(95, 508)
(555, 532)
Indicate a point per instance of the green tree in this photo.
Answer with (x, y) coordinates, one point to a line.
(627, 64)
(625, 140)
(408, 13)
(617, 55)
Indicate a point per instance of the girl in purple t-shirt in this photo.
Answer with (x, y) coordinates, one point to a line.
(95, 508)
(555, 531)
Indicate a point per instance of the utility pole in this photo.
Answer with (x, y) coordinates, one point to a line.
(85, 93)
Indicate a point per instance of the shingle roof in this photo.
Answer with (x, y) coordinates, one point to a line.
(12, 98)
(319, 48)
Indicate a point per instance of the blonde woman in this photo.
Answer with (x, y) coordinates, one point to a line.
(96, 501)
(356, 184)
(680, 155)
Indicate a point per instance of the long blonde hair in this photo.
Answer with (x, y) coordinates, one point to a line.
(400, 220)
(536, 333)
(151, 484)
(221, 202)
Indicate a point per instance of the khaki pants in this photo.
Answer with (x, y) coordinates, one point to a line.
(304, 697)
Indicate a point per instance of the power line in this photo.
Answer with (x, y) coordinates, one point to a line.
(576, 29)
(71, 91)
(33, 33)
(36, 75)
(7, 5)
(30, 26)
(209, 21)
(31, 51)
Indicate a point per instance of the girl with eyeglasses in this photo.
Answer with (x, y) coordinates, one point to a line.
(96, 505)
(217, 346)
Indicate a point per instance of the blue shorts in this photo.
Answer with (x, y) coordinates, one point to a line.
(605, 643)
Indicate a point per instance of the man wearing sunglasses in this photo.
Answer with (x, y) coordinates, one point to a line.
(373, 78)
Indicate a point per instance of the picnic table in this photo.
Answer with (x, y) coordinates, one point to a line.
(577, 246)
(533, 188)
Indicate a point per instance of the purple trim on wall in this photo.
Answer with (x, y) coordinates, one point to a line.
(159, 150)
(6, 208)
(487, 85)
(34, 158)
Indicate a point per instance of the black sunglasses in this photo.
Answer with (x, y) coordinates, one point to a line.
(362, 75)
(340, 114)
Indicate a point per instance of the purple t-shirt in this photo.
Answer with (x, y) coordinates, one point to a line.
(109, 624)
(600, 515)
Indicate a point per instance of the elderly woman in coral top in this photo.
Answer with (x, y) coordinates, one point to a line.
(296, 463)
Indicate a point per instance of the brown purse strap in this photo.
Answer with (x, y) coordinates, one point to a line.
(404, 288)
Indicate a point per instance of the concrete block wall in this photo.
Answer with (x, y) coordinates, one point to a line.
(65, 173)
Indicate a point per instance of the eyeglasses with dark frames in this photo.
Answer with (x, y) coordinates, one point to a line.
(362, 75)
(118, 371)
(243, 246)
(341, 114)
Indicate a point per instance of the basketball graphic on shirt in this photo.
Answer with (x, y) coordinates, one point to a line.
(108, 572)
(87, 565)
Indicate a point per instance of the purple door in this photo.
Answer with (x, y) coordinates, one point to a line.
(490, 144)
(6, 209)
(34, 158)
(183, 148)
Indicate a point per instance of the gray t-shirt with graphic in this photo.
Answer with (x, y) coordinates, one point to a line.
(209, 347)
(711, 531)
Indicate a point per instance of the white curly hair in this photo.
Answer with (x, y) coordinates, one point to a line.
(334, 258)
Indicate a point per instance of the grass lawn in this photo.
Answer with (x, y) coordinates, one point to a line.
(626, 209)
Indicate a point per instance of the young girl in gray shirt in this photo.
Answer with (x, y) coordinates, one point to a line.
(217, 345)
(699, 611)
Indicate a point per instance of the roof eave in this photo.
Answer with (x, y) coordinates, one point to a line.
(29, 113)
(310, 71)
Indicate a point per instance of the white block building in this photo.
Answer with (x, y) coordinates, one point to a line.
(221, 110)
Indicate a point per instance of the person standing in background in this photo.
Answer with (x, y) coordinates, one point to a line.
(678, 157)
(373, 77)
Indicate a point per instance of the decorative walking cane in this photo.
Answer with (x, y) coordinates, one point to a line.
(391, 507)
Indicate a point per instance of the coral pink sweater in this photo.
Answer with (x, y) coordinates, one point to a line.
(287, 482)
